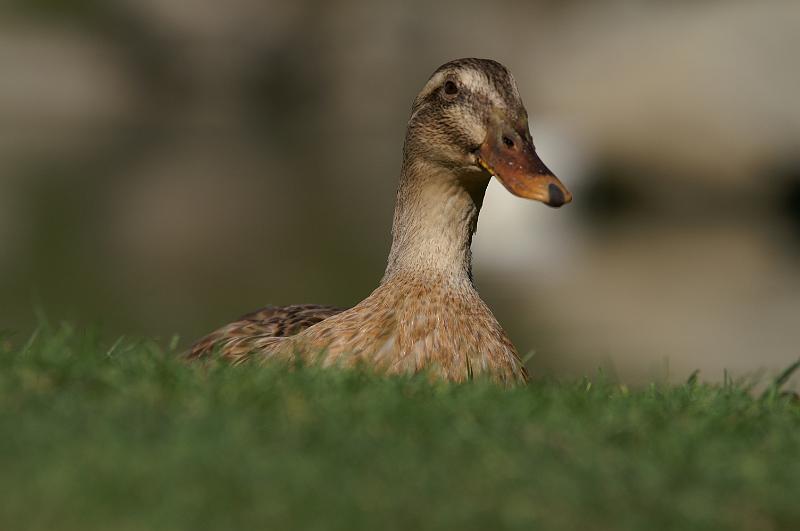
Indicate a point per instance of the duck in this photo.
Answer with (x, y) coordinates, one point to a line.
(467, 125)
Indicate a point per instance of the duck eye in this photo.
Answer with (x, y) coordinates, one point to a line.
(450, 88)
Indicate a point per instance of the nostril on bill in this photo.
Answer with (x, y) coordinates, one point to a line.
(556, 196)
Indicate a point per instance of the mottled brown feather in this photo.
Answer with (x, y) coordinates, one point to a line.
(236, 339)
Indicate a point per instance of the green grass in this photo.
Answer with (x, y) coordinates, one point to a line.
(123, 436)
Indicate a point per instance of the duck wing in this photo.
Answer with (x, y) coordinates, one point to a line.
(236, 340)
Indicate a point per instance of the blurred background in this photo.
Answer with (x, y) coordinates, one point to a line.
(166, 166)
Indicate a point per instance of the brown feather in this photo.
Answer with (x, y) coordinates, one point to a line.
(237, 339)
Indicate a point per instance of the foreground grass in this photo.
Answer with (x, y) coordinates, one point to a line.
(124, 436)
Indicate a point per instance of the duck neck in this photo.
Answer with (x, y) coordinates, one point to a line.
(435, 216)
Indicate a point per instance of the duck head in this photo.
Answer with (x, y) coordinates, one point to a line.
(470, 118)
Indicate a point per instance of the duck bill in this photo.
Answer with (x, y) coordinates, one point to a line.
(512, 159)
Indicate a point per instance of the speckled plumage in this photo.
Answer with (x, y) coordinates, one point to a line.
(235, 341)
(426, 313)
